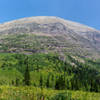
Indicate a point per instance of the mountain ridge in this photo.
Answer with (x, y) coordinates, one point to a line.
(38, 18)
(53, 17)
(59, 35)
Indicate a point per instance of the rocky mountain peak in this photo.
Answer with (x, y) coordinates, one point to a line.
(53, 33)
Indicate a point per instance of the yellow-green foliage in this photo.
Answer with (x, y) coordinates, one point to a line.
(34, 93)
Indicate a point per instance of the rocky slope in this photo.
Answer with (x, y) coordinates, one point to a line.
(49, 34)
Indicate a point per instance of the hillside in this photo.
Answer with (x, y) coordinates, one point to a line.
(49, 58)
(47, 70)
(49, 34)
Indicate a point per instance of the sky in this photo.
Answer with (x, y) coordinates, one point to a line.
(83, 11)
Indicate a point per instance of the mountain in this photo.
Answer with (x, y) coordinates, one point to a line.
(49, 34)
(49, 54)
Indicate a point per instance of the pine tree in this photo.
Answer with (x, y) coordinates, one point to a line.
(41, 81)
(53, 81)
(17, 82)
(60, 83)
(27, 73)
(48, 81)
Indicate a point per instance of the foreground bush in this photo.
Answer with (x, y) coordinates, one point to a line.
(33, 93)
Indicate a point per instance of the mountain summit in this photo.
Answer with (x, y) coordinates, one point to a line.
(49, 34)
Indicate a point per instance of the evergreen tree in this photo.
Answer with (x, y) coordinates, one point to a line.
(60, 83)
(41, 81)
(27, 73)
(53, 81)
(48, 81)
(17, 82)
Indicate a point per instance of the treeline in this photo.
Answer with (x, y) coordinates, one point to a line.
(48, 71)
(82, 77)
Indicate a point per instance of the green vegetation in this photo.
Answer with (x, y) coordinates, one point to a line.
(33, 93)
(34, 43)
(55, 78)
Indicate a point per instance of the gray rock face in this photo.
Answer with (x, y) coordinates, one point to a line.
(69, 36)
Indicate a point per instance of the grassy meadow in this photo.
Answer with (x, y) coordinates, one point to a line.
(33, 93)
(47, 77)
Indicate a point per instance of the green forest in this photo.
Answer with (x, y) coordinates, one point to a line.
(47, 77)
